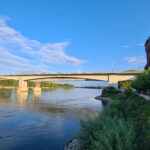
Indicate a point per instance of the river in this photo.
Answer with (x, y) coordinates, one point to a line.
(44, 121)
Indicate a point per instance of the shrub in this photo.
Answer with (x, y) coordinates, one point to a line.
(127, 85)
(109, 90)
(142, 82)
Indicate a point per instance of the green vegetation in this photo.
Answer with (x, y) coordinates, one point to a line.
(123, 125)
(4, 83)
(127, 85)
(14, 83)
(107, 91)
(131, 71)
(93, 87)
(30, 84)
(56, 85)
(142, 82)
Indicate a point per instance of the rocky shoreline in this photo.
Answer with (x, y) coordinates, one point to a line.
(104, 100)
(72, 145)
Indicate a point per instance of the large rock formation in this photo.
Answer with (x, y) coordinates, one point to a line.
(147, 49)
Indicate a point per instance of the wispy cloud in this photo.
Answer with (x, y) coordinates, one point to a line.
(140, 44)
(135, 60)
(126, 46)
(19, 51)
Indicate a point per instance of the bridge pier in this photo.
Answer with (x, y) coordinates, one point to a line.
(22, 85)
(37, 87)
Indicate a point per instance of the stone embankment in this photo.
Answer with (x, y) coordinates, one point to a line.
(72, 145)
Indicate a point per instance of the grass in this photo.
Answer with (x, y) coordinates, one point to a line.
(123, 125)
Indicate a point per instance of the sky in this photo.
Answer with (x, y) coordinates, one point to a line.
(40, 36)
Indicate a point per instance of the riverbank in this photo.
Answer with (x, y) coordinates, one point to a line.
(105, 100)
(123, 124)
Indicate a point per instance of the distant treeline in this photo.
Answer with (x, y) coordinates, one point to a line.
(131, 71)
(14, 83)
(93, 87)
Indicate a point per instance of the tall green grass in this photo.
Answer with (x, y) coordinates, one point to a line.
(123, 125)
(109, 131)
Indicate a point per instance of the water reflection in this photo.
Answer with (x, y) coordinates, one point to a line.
(22, 97)
(37, 95)
(5, 94)
(51, 117)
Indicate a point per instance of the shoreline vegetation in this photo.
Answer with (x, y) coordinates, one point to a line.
(93, 87)
(124, 123)
(12, 84)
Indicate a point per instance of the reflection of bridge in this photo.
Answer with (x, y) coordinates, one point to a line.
(112, 78)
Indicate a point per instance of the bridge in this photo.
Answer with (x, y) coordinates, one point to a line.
(111, 77)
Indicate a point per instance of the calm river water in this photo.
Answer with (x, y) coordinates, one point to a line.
(44, 121)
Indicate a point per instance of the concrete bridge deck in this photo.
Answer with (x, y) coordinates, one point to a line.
(111, 77)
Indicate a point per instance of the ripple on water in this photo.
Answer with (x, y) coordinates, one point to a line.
(46, 121)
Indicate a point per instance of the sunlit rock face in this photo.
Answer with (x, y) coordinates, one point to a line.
(147, 49)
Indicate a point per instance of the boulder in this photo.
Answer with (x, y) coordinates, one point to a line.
(147, 49)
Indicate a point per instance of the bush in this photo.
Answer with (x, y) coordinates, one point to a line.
(109, 90)
(142, 82)
(127, 85)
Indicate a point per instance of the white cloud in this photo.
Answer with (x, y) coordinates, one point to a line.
(5, 54)
(17, 50)
(126, 46)
(135, 60)
(140, 44)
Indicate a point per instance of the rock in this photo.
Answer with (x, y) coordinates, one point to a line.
(104, 100)
(147, 49)
(72, 145)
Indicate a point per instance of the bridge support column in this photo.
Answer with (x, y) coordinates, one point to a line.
(37, 87)
(113, 83)
(22, 86)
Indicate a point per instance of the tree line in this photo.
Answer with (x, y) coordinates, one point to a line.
(15, 83)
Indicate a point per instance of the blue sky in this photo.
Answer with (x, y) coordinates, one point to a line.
(72, 35)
